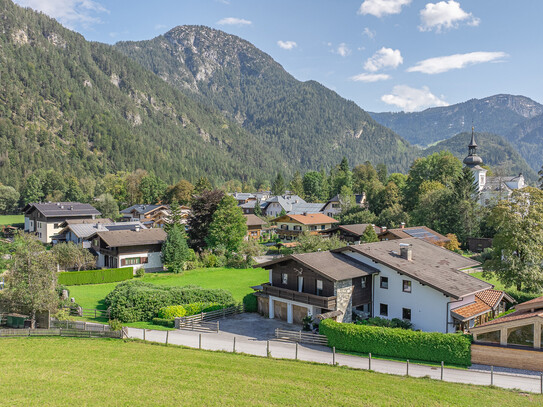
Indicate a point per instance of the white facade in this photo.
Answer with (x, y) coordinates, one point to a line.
(429, 308)
(154, 260)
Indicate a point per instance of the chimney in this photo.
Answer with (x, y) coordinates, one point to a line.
(402, 225)
(383, 229)
(406, 251)
(137, 228)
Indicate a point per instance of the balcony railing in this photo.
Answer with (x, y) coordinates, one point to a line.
(316, 300)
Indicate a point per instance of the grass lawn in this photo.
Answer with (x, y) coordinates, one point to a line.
(11, 219)
(492, 280)
(74, 371)
(237, 281)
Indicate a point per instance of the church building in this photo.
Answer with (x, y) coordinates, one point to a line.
(491, 189)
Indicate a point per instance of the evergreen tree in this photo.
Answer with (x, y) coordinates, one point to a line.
(175, 251)
(312, 183)
(369, 235)
(540, 173)
(175, 216)
(278, 185)
(73, 191)
(228, 227)
(32, 191)
(258, 208)
(296, 185)
(202, 185)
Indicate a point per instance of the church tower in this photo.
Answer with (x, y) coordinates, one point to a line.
(474, 162)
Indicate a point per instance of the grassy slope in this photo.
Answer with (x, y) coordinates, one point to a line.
(238, 282)
(69, 371)
(11, 219)
(491, 280)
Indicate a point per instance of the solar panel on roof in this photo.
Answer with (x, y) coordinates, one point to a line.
(421, 234)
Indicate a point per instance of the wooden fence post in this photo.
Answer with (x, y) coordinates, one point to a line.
(268, 354)
(369, 361)
(200, 341)
(296, 355)
(441, 370)
(541, 383)
(234, 347)
(144, 334)
(334, 355)
(167, 335)
(492, 375)
(407, 371)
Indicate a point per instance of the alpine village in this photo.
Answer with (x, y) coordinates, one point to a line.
(183, 222)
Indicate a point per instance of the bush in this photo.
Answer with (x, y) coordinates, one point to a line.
(388, 323)
(169, 323)
(197, 307)
(521, 297)
(250, 303)
(399, 343)
(171, 312)
(115, 325)
(95, 276)
(140, 272)
(137, 300)
(238, 261)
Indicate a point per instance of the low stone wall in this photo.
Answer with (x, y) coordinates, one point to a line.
(529, 359)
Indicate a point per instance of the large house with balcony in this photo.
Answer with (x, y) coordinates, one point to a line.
(410, 279)
(81, 232)
(140, 248)
(45, 219)
(289, 226)
(334, 207)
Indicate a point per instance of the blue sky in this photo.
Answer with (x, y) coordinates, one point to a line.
(386, 55)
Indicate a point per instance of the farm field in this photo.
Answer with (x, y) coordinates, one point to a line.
(237, 281)
(12, 219)
(74, 371)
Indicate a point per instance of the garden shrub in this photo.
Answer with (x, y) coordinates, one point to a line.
(137, 300)
(169, 323)
(95, 276)
(197, 307)
(521, 296)
(250, 303)
(115, 325)
(140, 272)
(399, 343)
(172, 311)
(238, 261)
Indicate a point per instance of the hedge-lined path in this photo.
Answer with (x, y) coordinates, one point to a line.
(253, 331)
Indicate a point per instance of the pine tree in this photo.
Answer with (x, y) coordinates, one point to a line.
(278, 186)
(175, 251)
(369, 235)
(258, 208)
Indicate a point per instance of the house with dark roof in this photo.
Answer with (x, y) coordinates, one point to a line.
(80, 233)
(290, 226)
(353, 233)
(410, 279)
(139, 248)
(45, 219)
(289, 203)
(153, 216)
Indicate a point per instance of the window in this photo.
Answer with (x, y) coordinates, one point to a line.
(406, 313)
(406, 286)
(521, 335)
(319, 287)
(297, 227)
(363, 282)
(56, 225)
(132, 260)
(284, 278)
(322, 227)
(384, 283)
(383, 310)
(285, 227)
(493, 337)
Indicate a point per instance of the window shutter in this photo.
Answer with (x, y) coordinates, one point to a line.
(144, 260)
(123, 262)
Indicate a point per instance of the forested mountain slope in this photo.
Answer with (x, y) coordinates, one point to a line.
(86, 109)
(528, 136)
(496, 114)
(312, 126)
(496, 152)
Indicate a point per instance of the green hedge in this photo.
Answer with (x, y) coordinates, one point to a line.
(250, 303)
(398, 343)
(521, 296)
(169, 323)
(95, 276)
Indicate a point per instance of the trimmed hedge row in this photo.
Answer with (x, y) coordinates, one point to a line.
(168, 323)
(250, 303)
(137, 300)
(95, 276)
(399, 343)
(186, 310)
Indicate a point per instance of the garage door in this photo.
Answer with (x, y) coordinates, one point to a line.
(298, 313)
(280, 310)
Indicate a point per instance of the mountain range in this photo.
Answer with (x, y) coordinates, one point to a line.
(192, 102)
(516, 118)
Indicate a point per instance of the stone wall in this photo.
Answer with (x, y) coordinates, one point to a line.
(343, 290)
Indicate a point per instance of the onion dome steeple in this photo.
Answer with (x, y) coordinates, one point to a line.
(472, 159)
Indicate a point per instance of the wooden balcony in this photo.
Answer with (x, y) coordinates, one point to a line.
(316, 300)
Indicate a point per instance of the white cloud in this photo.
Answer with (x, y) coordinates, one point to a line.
(445, 15)
(384, 58)
(370, 77)
(68, 12)
(379, 8)
(342, 50)
(287, 44)
(456, 61)
(224, 2)
(411, 99)
(234, 21)
(369, 33)
(160, 27)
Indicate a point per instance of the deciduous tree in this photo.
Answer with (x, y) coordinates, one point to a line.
(228, 227)
(175, 251)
